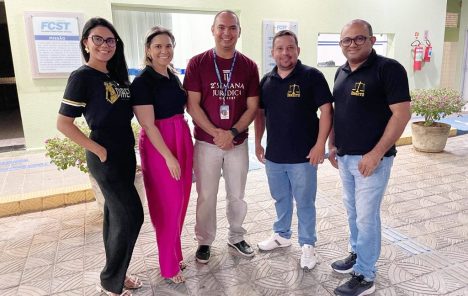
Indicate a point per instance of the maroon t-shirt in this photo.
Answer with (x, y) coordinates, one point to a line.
(200, 76)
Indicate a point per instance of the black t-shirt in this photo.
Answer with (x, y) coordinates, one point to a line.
(362, 100)
(291, 112)
(165, 94)
(104, 102)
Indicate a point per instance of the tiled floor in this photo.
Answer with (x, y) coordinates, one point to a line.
(424, 252)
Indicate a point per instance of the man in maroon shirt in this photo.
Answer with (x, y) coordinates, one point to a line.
(223, 89)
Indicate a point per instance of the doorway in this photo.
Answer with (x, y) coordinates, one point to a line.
(11, 127)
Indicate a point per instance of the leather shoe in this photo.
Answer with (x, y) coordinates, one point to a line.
(243, 248)
(203, 254)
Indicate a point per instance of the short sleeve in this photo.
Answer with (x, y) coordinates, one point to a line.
(192, 81)
(322, 94)
(141, 92)
(75, 96)
(395, 81)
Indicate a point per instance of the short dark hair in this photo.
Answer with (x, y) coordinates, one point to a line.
(362, 22)
(117, 66)
(153, 32)
(227, 11)
(285, 33)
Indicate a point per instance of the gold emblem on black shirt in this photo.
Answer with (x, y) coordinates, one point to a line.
(111, 94)
(294, 91)
(359, 89)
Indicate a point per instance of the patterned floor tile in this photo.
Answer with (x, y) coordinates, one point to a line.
(10, 280)
(68, 267)
(12, 265)
(35, 288)
(38, 273)
(71, 283)
(9, 291)
(60, 252)
(394, 274)
(205, 284)
(312, 290)
(461, 292)
(14, 253)
(241, 290)
(40, 259)
(94, 262)
(443, 282)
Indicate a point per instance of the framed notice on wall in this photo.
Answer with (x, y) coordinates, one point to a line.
(270, 28)
(54, 43)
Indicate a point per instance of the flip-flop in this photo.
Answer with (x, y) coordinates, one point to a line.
(132, 282)
(182, 265)
(100, 289)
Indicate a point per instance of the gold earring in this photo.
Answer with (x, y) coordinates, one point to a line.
(86, 49)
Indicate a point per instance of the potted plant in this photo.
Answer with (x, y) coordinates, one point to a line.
(65, 153)
(433, 104)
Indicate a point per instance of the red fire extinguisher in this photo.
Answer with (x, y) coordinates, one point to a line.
(427, 51)
(418, 53)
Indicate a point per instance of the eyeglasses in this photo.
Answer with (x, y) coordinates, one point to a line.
(358, 40)
(98, 40)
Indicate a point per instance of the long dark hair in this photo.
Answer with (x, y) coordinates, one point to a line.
(117, 65)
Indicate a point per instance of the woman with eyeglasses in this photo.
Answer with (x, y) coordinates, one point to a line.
(99, 90)
(166, 148)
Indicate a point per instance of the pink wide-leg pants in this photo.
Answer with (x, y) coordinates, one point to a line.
(168, 198)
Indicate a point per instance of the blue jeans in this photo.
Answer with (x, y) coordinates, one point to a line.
(362, 197)
(298, 181)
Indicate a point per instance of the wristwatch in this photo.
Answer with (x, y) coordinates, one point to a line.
(234, 131)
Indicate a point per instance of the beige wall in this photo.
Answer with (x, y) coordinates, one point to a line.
(39, 99)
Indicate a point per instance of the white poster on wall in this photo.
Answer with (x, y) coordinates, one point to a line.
(270, 28)
(54, 43)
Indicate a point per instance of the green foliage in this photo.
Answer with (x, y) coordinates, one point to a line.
(65, 153)
(436, 103)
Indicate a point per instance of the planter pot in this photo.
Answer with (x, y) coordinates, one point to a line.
(139, 185)
(429, 138)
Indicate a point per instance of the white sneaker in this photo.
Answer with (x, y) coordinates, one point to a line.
(275, 241)
(308, 258)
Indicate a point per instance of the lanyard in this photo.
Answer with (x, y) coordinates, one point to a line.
(226, 86)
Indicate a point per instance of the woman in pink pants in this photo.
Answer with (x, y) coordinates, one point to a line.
(166, 148)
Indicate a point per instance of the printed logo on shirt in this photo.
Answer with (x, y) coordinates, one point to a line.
(226, 74)
(359, 89)
(233, 90)
(113, 92)
(294, 91)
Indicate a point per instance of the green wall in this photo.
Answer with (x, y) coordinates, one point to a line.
(40, 98)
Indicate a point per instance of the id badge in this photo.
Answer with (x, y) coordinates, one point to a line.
(224, 111)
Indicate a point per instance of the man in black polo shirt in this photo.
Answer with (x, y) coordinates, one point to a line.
(372, 108)
(289, 98)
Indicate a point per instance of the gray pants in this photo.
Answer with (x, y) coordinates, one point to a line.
(209, 160)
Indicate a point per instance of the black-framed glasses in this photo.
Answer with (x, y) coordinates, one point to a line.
(358, 40)
(98, 40)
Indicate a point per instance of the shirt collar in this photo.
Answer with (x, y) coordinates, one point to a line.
(370, 60)
(153, 74)
(274, 72)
